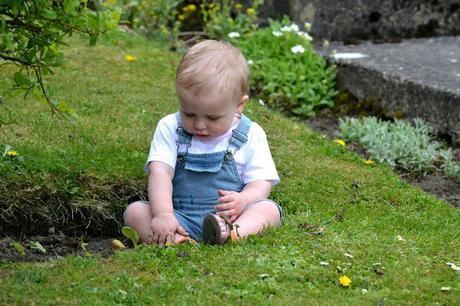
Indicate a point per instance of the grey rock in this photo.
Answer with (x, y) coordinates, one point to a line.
(417, 77)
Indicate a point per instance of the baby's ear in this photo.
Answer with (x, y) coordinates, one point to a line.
(242, 103)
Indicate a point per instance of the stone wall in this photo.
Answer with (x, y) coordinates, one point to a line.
(385, 20)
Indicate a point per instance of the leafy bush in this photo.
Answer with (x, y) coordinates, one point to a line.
(221, 19)
(399, 143)
(156, 19)
(164, 19)
(285, 70)
(32, 32)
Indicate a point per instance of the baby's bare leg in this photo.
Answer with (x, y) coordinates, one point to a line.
(257, 217)
(138, 216)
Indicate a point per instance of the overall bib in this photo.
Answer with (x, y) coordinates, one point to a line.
(198, 177)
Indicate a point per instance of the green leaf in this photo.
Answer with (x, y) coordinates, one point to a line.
(19, 248)
(37, 246)
(39, 96)
(48, 14)
(131, 234)
(7, 148)
(71, 6)
(65, 108)
(21, 80)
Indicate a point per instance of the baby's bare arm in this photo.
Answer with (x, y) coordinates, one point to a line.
(160, 188)
(164, 224)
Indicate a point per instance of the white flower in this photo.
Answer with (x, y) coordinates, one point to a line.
(250, 62)
(286, 29)
(298, 49)
(445, 288)
(295, 27)
(277, 33)
(307, 26)
(400, 238)
(363, 291)
(305, 35)
(324, 263)
(348, 255)
(261, 102)
(292, 27)
(233, 34)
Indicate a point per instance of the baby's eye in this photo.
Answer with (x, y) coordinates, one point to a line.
(188, 114)
(214, 118)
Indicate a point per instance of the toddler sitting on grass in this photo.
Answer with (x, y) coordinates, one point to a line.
(210, 170)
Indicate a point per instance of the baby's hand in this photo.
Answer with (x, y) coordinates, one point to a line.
(233, 204)
(163, 227)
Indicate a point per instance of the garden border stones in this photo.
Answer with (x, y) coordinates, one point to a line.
(415, 78)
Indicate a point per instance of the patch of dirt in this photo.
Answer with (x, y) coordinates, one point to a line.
(326, 123)
(55, 246)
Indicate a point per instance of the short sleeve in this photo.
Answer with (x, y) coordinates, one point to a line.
(163, 146)
(259, 164)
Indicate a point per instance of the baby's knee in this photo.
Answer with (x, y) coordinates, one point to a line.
(267, 209)
(134, 212)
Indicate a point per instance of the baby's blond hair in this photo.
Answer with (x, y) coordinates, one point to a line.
(210, 64)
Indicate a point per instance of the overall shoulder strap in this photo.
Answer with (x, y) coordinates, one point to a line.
(240, 134)
(183, 137)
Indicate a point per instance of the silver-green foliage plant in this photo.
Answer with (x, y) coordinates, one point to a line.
(399, 143)
(286, 73)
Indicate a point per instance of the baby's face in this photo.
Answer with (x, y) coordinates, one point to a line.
(208, 115)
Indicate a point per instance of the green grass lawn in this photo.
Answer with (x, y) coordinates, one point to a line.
(337, 210)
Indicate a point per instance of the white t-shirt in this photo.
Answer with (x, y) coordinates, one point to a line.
(253, 160)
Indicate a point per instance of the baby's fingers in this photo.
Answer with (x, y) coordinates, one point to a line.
(223, 207)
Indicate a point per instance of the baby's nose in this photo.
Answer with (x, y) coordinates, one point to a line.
(200, 124)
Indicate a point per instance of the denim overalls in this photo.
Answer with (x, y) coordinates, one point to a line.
(197, 177)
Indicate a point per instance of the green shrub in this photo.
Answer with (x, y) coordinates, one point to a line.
(221, 19)
(156, 19)
(398, 143)
(286, 73)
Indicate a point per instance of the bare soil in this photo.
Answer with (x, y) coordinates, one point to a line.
(55, 246)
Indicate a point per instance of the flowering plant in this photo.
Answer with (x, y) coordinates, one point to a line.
(157, 19)
(286, 72)
(229, 19)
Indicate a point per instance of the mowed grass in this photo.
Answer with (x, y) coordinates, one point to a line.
(392, 240)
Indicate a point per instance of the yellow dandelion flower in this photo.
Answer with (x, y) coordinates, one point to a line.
(369, 162)
(130, 58)
(340, 142)
(345, 281)
(238, 6)
(12, 153)
(191, 7)
(181, 17)
(250, 11)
